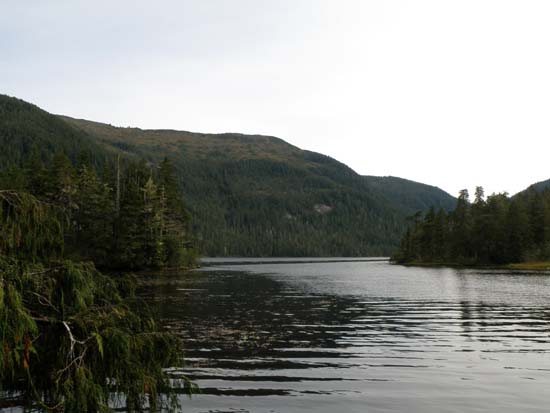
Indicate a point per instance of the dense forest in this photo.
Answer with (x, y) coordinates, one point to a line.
(123, 212)
(493, 230)
(71, 338)
(78, 197)
(128, 216)
(254, 195)
(248, 195)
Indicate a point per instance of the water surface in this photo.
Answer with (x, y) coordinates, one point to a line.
(360, 336)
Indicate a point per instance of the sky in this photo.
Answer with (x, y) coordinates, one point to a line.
(449, 93)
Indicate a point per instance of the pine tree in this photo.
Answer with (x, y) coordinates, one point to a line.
(93, 218)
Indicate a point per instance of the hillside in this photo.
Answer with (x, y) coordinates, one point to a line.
(27, 131)
(258, 195)
(538, 187)
(248, 194)
(411, 196)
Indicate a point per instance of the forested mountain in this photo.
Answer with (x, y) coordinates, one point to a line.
(122, 213)
(538, 186)
(409, 195)
(258, 195)
(71, 338)
(247, 194)
(26, 130)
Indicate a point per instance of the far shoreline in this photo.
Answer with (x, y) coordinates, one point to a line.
(523, 266)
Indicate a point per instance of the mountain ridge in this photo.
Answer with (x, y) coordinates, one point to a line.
(537, 186)
(307, 178)
(254, 194)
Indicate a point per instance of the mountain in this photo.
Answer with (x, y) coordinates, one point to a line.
(411, 196)
(249, 195)
(259, 195)
(533, 191)
(27, 131)
(538, 186)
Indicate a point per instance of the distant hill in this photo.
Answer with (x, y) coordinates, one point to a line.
(409, 195)
(538, 186)
(259, 195)
(249, 195)
(26, 130)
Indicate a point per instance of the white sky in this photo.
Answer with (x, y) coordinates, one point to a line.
(450, 93)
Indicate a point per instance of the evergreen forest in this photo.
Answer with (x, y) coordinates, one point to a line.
(247, 195)
(253, 195)
(494, 230)
(72, 338)
(81, 199)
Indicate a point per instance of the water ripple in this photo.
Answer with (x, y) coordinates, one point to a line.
(309, 337)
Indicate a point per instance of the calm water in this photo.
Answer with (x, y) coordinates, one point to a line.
(357, 336)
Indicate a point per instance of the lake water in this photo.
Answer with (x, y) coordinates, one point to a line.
(360, 336)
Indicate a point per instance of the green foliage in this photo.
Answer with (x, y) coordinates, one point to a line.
(94, 217)
(150, 230)
(21, 215)
(247, 195)
(72, 339)
(69, 341)
(27, 131)
(260, 196)
(496, 230)
(410, 196)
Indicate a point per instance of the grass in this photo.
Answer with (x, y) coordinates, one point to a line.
(536, 266)
(527, 266)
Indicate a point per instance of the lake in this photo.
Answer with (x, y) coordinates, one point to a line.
(358, 335)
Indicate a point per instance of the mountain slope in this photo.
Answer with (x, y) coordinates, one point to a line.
(410, 195)
(538, 186)
(258, 195)
(248, 194)
(26, 130)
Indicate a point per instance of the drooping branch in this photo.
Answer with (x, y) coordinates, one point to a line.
(29, 228)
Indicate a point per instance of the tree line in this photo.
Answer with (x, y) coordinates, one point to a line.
(497, 229)
(122, 215)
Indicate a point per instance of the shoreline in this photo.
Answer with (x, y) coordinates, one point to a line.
(526, 266)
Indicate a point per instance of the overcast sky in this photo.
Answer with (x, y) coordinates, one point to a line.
(450, 93)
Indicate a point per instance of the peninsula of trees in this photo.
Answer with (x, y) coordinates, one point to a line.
(486, 231)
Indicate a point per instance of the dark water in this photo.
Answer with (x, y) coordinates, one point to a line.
(358, 336)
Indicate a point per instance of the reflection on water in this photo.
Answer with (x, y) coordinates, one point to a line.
(360, 336)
